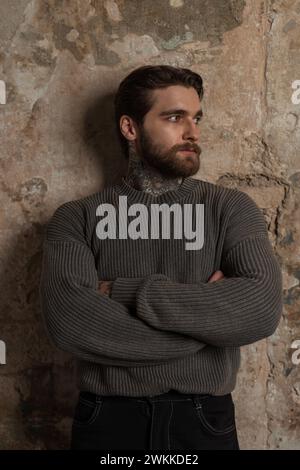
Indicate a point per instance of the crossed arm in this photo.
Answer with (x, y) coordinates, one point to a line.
(136, 322)
(245, 306)
(92, 326)
(105, 287)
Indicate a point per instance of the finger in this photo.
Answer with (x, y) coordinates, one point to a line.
(216, 276)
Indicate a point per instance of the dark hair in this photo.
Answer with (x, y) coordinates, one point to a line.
(134, 97)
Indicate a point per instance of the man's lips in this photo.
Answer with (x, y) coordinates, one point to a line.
(188, 150)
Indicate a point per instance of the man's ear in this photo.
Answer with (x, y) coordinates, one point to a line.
(128, 128)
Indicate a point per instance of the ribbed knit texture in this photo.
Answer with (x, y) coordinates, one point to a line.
(164, 326)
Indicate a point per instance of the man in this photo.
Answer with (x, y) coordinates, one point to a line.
(157, 322)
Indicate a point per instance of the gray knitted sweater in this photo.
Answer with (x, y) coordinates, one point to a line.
(164, 326)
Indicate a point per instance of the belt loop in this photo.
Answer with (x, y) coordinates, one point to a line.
(99, 398)
(196, 401)
(149, 399)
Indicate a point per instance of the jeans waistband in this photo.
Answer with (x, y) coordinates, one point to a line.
(176, 395)
(170, 395)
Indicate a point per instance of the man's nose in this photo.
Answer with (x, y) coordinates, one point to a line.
(191, 131)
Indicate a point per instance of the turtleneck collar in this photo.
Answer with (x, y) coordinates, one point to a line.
(188, 184)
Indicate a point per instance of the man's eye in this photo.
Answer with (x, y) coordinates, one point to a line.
(175, 116)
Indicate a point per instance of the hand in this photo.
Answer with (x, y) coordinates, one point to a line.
(217, 275)
(105, 287)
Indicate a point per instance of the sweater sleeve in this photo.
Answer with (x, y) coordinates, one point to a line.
(82, 321)
(240, 309)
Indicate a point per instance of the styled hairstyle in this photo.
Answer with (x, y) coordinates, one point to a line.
(134, 97)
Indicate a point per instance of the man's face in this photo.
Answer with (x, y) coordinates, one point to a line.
(170, 127)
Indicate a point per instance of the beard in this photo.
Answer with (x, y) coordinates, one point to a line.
(169, 163)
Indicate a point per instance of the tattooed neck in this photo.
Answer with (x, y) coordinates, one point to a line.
(149, 179)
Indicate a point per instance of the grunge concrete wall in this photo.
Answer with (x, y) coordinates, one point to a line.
(61, 61)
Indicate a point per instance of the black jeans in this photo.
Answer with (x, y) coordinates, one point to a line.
(170, 421)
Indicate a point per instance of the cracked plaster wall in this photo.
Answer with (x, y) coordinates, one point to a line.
(61, 62)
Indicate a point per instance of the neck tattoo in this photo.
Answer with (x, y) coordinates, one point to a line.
(148, 179)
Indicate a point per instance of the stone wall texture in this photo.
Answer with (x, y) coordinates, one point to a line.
(61, 61)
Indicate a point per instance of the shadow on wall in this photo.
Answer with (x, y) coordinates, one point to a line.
(39, 382)
(100, 137)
